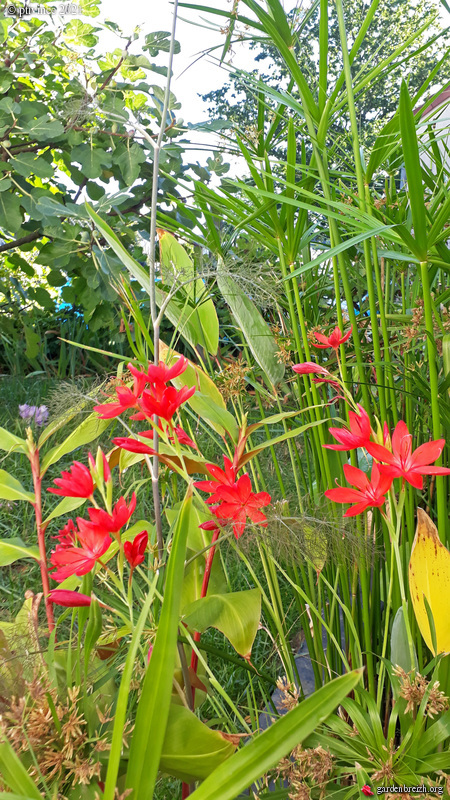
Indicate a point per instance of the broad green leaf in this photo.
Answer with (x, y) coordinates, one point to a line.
(10, 213)
(413, 171)
(27, 163)
(191, 750)
(93, 160)
(236, 615)
(86, 432)
(253, 327)
(154, 704)
(220, 419)
(429, 578)
(10, 442)
(12, 489)
(266, 751)
(43, 128)
(12, 550)
(129, 159)
(14, 773)
(175, 261)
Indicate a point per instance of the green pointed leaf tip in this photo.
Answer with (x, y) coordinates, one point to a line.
(191, 750)
(236, 615)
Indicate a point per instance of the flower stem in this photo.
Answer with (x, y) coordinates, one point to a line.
(37, 483)
(204, 589)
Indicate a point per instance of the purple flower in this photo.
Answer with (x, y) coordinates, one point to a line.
(26, 411)
(39, 413)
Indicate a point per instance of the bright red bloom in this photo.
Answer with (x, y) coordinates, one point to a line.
(67, 536)
(135, 551)
(162, 401)
(133, 445)
(237, 502)
(329, 381)
(221, 477)
(368, 494)
(403, 463)
(112, 523)
(76, 483)
(69, 599)
(367, 790)
(358, 435)
(125, 399)
(79, 560)
(308, 368)
(334, 340)
(161, 374)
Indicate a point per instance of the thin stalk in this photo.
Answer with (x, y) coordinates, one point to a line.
(152, 274)
(43, 565)
(442, 515)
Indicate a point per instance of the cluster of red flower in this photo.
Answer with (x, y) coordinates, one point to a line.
(395, 456)
(231, 498)
(159, 400)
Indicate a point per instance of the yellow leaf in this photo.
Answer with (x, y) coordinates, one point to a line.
(429, 577)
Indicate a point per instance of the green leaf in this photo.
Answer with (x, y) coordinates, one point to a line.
(400, 655)
(33, 341)
(191, 750)
(43, 128)
(66, 506)
(413, 171)
(87, 431)
(183, 322)
(159, 41)
(175, 261)
(236, 615)
(9, 441)
(12, 550)
(254, 329)
(15, 775)
(217, 416)
(265, 751)
(129, 159)
(27, 163)
(93, 160)
(154, 704)
(10, 213)
(12, 489)
(122, 698)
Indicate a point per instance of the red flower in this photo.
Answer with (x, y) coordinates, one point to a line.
(76, 483)
(161, 374)
(135, 551)
(237, 502)
(308, 368)
(404, 463)
(133, 445)
(221, 477)
(334, 340)
(112, 523)
(358, 435)
(125, 399)
(79, 560)
(367, 790)
(67, 536)
(162, 401)
(69, 599)
(368, 494)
